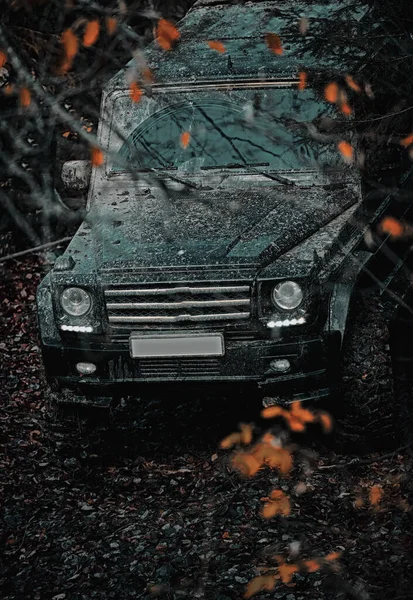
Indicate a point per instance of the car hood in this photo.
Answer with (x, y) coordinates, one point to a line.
(251, 226)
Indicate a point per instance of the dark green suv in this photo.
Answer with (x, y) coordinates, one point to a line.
(225, 230)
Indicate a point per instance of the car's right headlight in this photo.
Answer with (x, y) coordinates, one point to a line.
(287, 295)
(75, 301)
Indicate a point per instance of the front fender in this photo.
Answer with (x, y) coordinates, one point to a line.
(343, 288)
(48, 331)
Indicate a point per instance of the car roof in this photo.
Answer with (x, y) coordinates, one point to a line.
(242, 29)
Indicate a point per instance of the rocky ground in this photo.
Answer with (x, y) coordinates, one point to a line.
(147, 504)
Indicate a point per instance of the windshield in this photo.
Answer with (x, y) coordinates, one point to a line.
(278, 129)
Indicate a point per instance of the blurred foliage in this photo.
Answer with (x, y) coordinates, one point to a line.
(50, 89)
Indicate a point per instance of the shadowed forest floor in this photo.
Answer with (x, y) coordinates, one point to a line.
(147, 506)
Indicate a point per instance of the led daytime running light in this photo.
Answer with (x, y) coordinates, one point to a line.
(286, 322)
(78, 328)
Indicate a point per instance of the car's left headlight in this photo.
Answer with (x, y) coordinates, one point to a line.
(287, 295)
(76, 301)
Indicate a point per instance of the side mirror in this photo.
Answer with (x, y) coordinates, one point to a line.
(76, 175)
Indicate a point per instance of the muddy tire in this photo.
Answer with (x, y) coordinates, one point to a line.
(401, 346)
(372, 406)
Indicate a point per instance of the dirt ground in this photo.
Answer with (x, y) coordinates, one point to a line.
(147, 505)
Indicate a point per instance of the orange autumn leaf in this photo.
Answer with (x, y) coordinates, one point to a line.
(326, 422)
(332, 556)
(260, 584)
(230, 440)
(286, 572)
(346, 109)
(301, 413)
(260, 452)
(391, 226)
(246, 433)
(66, 134)
(302, 75)
(279, 504)
(345, 150)
(3, 59)
(375, 495)
(71, 45)
(312, 566)
(298, 417)
(269, 510)
(407, 140)
(185, 139)
(166, 34)
(111, 25)
(97, 157)
(272, 411)
(352, 84)
(277, 495)
(135, 92)
(274, 43)
(331, 92)
(280, 459)
(25, 97)
(91, 33)
(246, 464)
(295, 424)
(218, 46)
(275, 458)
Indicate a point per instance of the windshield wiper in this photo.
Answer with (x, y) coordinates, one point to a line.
(253, 166)
(236, 166)
(185, 182)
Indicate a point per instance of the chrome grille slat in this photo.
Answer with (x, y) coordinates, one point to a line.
(178, 318)
(177, 290)
(177, 303)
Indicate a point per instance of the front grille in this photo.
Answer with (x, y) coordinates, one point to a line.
(165, 368)
(179, 367)
(177, 304)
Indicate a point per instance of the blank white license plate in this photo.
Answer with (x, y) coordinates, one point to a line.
(176, 345)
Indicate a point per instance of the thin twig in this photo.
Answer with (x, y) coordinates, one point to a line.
(24, 534)
(365, 461)
(35, 249)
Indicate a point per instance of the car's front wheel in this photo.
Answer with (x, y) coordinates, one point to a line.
(374, 398)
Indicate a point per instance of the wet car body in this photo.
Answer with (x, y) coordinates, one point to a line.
(186, 254)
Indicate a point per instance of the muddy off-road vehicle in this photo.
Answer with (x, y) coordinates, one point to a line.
(226, 234)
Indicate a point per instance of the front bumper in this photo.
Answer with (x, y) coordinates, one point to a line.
(312, 361)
